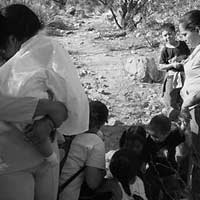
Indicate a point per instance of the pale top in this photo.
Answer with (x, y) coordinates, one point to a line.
(86, 149)
(43, 69)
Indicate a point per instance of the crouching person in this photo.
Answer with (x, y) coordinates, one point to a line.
(86, 157)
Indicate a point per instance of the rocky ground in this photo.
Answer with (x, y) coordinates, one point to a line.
(100, 53)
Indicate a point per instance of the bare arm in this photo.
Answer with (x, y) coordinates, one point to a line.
(21, 109)
(164, 67)
(56, 110)
(94, 177)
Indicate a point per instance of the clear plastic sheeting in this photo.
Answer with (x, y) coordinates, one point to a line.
(43, 69)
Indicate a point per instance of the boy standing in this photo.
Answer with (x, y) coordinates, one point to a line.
(172, 54)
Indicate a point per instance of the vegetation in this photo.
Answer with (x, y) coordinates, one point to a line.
(127, 14)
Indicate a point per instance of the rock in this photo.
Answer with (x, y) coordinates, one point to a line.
(71, 11)
(138, 35)
(83, 73)
(61, 23)
(90, 29)
(144, 69)
(112, 121)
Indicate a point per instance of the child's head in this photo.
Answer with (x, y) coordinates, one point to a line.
(134, 138)
(168, 33)
(98, 114)
(159, 127)
(123, 166)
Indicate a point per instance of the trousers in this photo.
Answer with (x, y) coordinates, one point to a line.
(37, 183)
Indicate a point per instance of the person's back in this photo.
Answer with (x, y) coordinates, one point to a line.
(87, 150)
(123, 166)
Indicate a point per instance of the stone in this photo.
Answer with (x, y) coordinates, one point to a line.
(144, 69)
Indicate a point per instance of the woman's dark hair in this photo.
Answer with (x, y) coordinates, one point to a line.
(3, 32)
(132, 133)
(123, 166)
(21, 21)
(190, 20)
(98, 114)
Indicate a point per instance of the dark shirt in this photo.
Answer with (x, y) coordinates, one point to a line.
(181, 51)
(165, 164)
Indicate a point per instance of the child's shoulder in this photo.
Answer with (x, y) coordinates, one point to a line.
(175, 137)
(112, 185)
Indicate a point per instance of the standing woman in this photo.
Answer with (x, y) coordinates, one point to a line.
(190, 30)
(36, 66)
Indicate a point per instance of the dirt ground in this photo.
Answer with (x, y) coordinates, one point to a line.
(100, 62)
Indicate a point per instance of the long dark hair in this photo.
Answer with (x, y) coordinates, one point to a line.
(190, 20)
(123, 166)
(3, 31)
(132, 133)
(21, 21)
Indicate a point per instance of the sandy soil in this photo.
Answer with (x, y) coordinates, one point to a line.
(100, 63)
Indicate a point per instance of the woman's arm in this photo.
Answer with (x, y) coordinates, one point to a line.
(14, 109)
(94, 177)
(20, 109)
(56, 110)
(95, 165)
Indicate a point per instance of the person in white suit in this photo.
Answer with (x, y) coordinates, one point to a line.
(36, 66)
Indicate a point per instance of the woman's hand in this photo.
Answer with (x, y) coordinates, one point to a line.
(184, 117)
(56, 110)
(39, 131)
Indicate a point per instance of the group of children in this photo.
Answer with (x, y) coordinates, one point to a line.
(145, 165)
(156, 168)
(155, 145)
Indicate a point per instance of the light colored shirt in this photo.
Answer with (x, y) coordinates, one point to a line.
(15, 152)
(86, 149)
(192, 74)
(42, 68)
(192, 83)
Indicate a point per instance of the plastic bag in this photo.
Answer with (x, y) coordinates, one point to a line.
(42, 65)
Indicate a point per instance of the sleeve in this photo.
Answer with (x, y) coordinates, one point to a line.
(187, 50)
(163, 56)
(96, 156)
(176, 137)
(13, 109)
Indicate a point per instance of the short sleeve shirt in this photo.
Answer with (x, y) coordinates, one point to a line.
(86, 149)
(164, 152)
(168, 53)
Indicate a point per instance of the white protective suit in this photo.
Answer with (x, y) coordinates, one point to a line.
(40, 66)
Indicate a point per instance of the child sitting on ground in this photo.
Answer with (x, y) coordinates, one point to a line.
(161, 148)
(123, 166)
(86, 153)
(134, 138)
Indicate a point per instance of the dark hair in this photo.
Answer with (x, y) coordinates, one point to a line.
(190, 20)
(22, 22)
(3, 32)
(161, 123)
(123, 166)
(134, 132)
(168, 27)
(98, 114)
